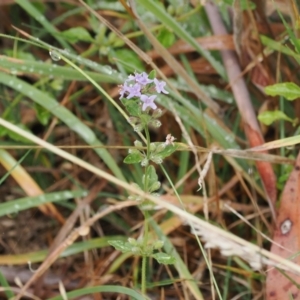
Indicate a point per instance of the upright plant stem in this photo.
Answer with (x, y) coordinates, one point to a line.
(146, 216)
(144, 266)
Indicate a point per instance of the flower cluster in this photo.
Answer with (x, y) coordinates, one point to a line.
(142, 87)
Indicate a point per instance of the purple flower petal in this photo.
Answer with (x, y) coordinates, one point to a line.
(160, 86)
(142, 78)
(134, 91)
(148, 102)
(123, 89)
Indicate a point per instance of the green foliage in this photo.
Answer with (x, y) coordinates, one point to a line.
(289, 90)
(164, 258)
(121, 246)
(279, 46)
(132, 107)
(150, 180)
(137, 88)
(42, 114)
(269, 117)
(177, 28)
(139, 247)
(126, 55)
(133, 158)
(5, 285)
(165, 150)
(152, 74)
(77, 34)
(166, 37)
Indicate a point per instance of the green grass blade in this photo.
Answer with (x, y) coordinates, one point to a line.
(102, 289)
(278, 46)
(64, 115)
(4, 284)
(18, 205)
(48, 69)
(33, 12)
(39, 256)
(170, 22)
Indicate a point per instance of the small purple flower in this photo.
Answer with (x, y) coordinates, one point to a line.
(123, 89)
(148, 101)
(160, 86)
(142, 78)
(130, 78)
(134, 91)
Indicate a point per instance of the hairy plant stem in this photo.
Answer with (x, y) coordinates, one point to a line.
(144, 266)
(146, 216)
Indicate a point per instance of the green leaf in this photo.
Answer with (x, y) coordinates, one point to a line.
(168, 150)
(120, 246)
(126, 56)
(289, 90)
(133, 158)
(132, 107)
(166, 37)
(42, 114)
(154, 187)
(57, 84)
(152, 179)
(152, 74)
(150, 175)
(77, 34)
(164, 258)
(268, 117)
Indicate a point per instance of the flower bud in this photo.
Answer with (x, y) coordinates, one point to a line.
(160, 147)
(157, 159)
(155, 123)
(138, 127)
(144, 162)
(152, 147)
(138, 144)
(132, 241)
(158, 244)
(132, 120)
(135, 250)
(133, 151)
(157, 113)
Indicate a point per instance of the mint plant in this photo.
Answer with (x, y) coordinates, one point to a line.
(138, 95)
